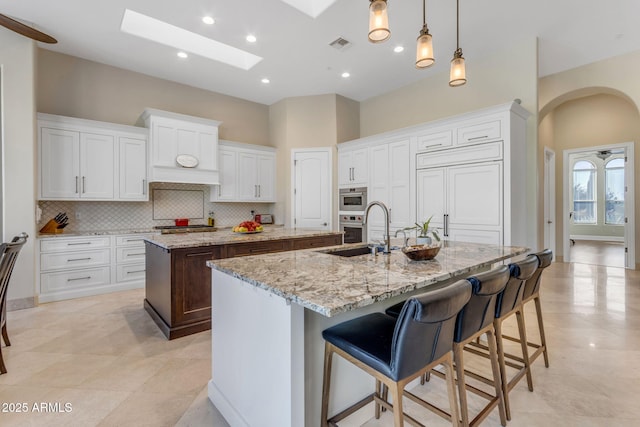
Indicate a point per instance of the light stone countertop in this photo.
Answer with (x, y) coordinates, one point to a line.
(99, 233)
(226, 237)
(330, 284)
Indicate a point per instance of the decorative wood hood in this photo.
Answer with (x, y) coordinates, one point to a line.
(182, 149)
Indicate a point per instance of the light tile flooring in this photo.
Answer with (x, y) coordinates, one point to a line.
(105, 357)
(594, 252)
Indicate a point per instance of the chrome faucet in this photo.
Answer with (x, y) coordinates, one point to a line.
(387, 238)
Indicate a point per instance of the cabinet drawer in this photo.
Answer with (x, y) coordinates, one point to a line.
(257, 248)
(436, 140)
(68, 280)
(128, 272)
(74, 244)
(67, 260)
(470, 154)
(316, 242)
(130, 254)
(133, 240)
(479, 132)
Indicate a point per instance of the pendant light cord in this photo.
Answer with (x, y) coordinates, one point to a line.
(457, 24)
(424, 12)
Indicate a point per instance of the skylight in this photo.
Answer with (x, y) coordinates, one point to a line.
(313, 8)
(158, 31)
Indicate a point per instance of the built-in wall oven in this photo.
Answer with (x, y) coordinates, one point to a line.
(351, 224)
(353, 199)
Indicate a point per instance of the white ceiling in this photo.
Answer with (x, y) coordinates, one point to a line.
(295, 46)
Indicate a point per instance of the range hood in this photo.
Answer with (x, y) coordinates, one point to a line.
(182, 148)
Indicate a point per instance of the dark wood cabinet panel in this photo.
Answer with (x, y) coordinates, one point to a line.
(178, 282)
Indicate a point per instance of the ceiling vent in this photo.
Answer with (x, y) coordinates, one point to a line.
(340, 44)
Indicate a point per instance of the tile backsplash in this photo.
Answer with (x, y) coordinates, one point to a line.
(168, 202)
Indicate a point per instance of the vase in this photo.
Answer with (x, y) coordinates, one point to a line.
(426, 240)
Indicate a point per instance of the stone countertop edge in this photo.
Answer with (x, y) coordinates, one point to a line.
(227, 237)
(98, 233)
(407, 275)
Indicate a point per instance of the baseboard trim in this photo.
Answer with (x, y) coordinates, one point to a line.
(21, 303)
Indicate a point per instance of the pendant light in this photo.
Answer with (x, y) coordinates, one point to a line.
(378, 21)
(457, 76)
(424, 45)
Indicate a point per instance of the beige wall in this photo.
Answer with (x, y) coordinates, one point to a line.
(308, 122)
(76, 87)
(17, 59)
(498, 79)
(589, 121)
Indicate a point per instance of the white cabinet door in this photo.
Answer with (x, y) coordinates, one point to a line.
(353, 168)
(228, 188)
(475, 195)
(59, 164)
(399, 195)
(312, 195)
(247, 176)
(266, 172)
(431, 189)
(378, 183)
(133, 169)
(97, 165)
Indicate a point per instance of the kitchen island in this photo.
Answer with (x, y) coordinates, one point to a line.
(178, 281)
(269, 312)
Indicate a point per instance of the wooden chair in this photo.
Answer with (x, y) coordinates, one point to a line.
(9, 253)
(532, 293)
(397, 351)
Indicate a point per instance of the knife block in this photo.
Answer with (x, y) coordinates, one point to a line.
(51, 227)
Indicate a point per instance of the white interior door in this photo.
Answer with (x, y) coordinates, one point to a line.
(312, 188)
(550, 200)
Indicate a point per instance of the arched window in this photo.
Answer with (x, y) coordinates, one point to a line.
(614, 191)
(584, 192)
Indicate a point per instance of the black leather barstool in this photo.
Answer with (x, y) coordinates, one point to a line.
(396, 351)
(532, 293)
(508, 303)
(9, 253)
(474, 320)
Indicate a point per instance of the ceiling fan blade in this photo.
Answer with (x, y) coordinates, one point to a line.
(25, 30)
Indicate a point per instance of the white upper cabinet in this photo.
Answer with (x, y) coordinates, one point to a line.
(182, 148)
(353, 169)
(247, 173)
(81, 159)
(133, 169)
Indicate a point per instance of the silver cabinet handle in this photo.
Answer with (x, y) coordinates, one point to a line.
(144, 186)
(135, 254)
(136, 271)
(259, 190)
(478, 137)
(83, 186)
(79, 259)
(76, 184)
(80, 243)
(134, 240)
(79, 278)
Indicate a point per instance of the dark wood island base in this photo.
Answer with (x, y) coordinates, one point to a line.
(178, 281)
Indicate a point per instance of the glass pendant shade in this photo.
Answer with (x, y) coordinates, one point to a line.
(424, 49)
(378, 21)
(458, 75)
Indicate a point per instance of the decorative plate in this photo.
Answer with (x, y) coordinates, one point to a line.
(186, 161)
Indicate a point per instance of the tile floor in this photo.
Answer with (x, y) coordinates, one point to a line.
(594, 252)
(105, 358)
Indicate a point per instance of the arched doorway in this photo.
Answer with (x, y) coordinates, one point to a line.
(578, 125)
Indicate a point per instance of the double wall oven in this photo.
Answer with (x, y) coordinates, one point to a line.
(353, 201)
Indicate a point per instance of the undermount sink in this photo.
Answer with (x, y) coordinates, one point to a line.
(364, 250)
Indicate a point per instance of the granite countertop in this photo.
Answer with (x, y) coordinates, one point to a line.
(330, 284)
(226, 237)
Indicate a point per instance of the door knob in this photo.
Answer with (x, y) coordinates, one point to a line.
(549, 222)
(325, 224)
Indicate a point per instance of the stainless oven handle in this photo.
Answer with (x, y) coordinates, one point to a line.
(353, 194)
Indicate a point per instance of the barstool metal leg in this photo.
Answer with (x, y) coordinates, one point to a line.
(543, 339)
(495, 368)
(326, 384)
(524, 346)
(497, 323)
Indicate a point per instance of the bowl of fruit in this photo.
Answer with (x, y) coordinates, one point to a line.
(248, 227)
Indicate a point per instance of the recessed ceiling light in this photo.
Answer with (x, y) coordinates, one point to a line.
(182, 55)
(208, 20)
(161, 32)
(398, 49)
(251, 38)
(265, 80)
(345, 75)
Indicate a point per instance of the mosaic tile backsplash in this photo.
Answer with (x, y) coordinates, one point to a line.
(173, 201)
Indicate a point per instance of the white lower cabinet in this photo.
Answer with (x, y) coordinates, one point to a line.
(72, 267)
